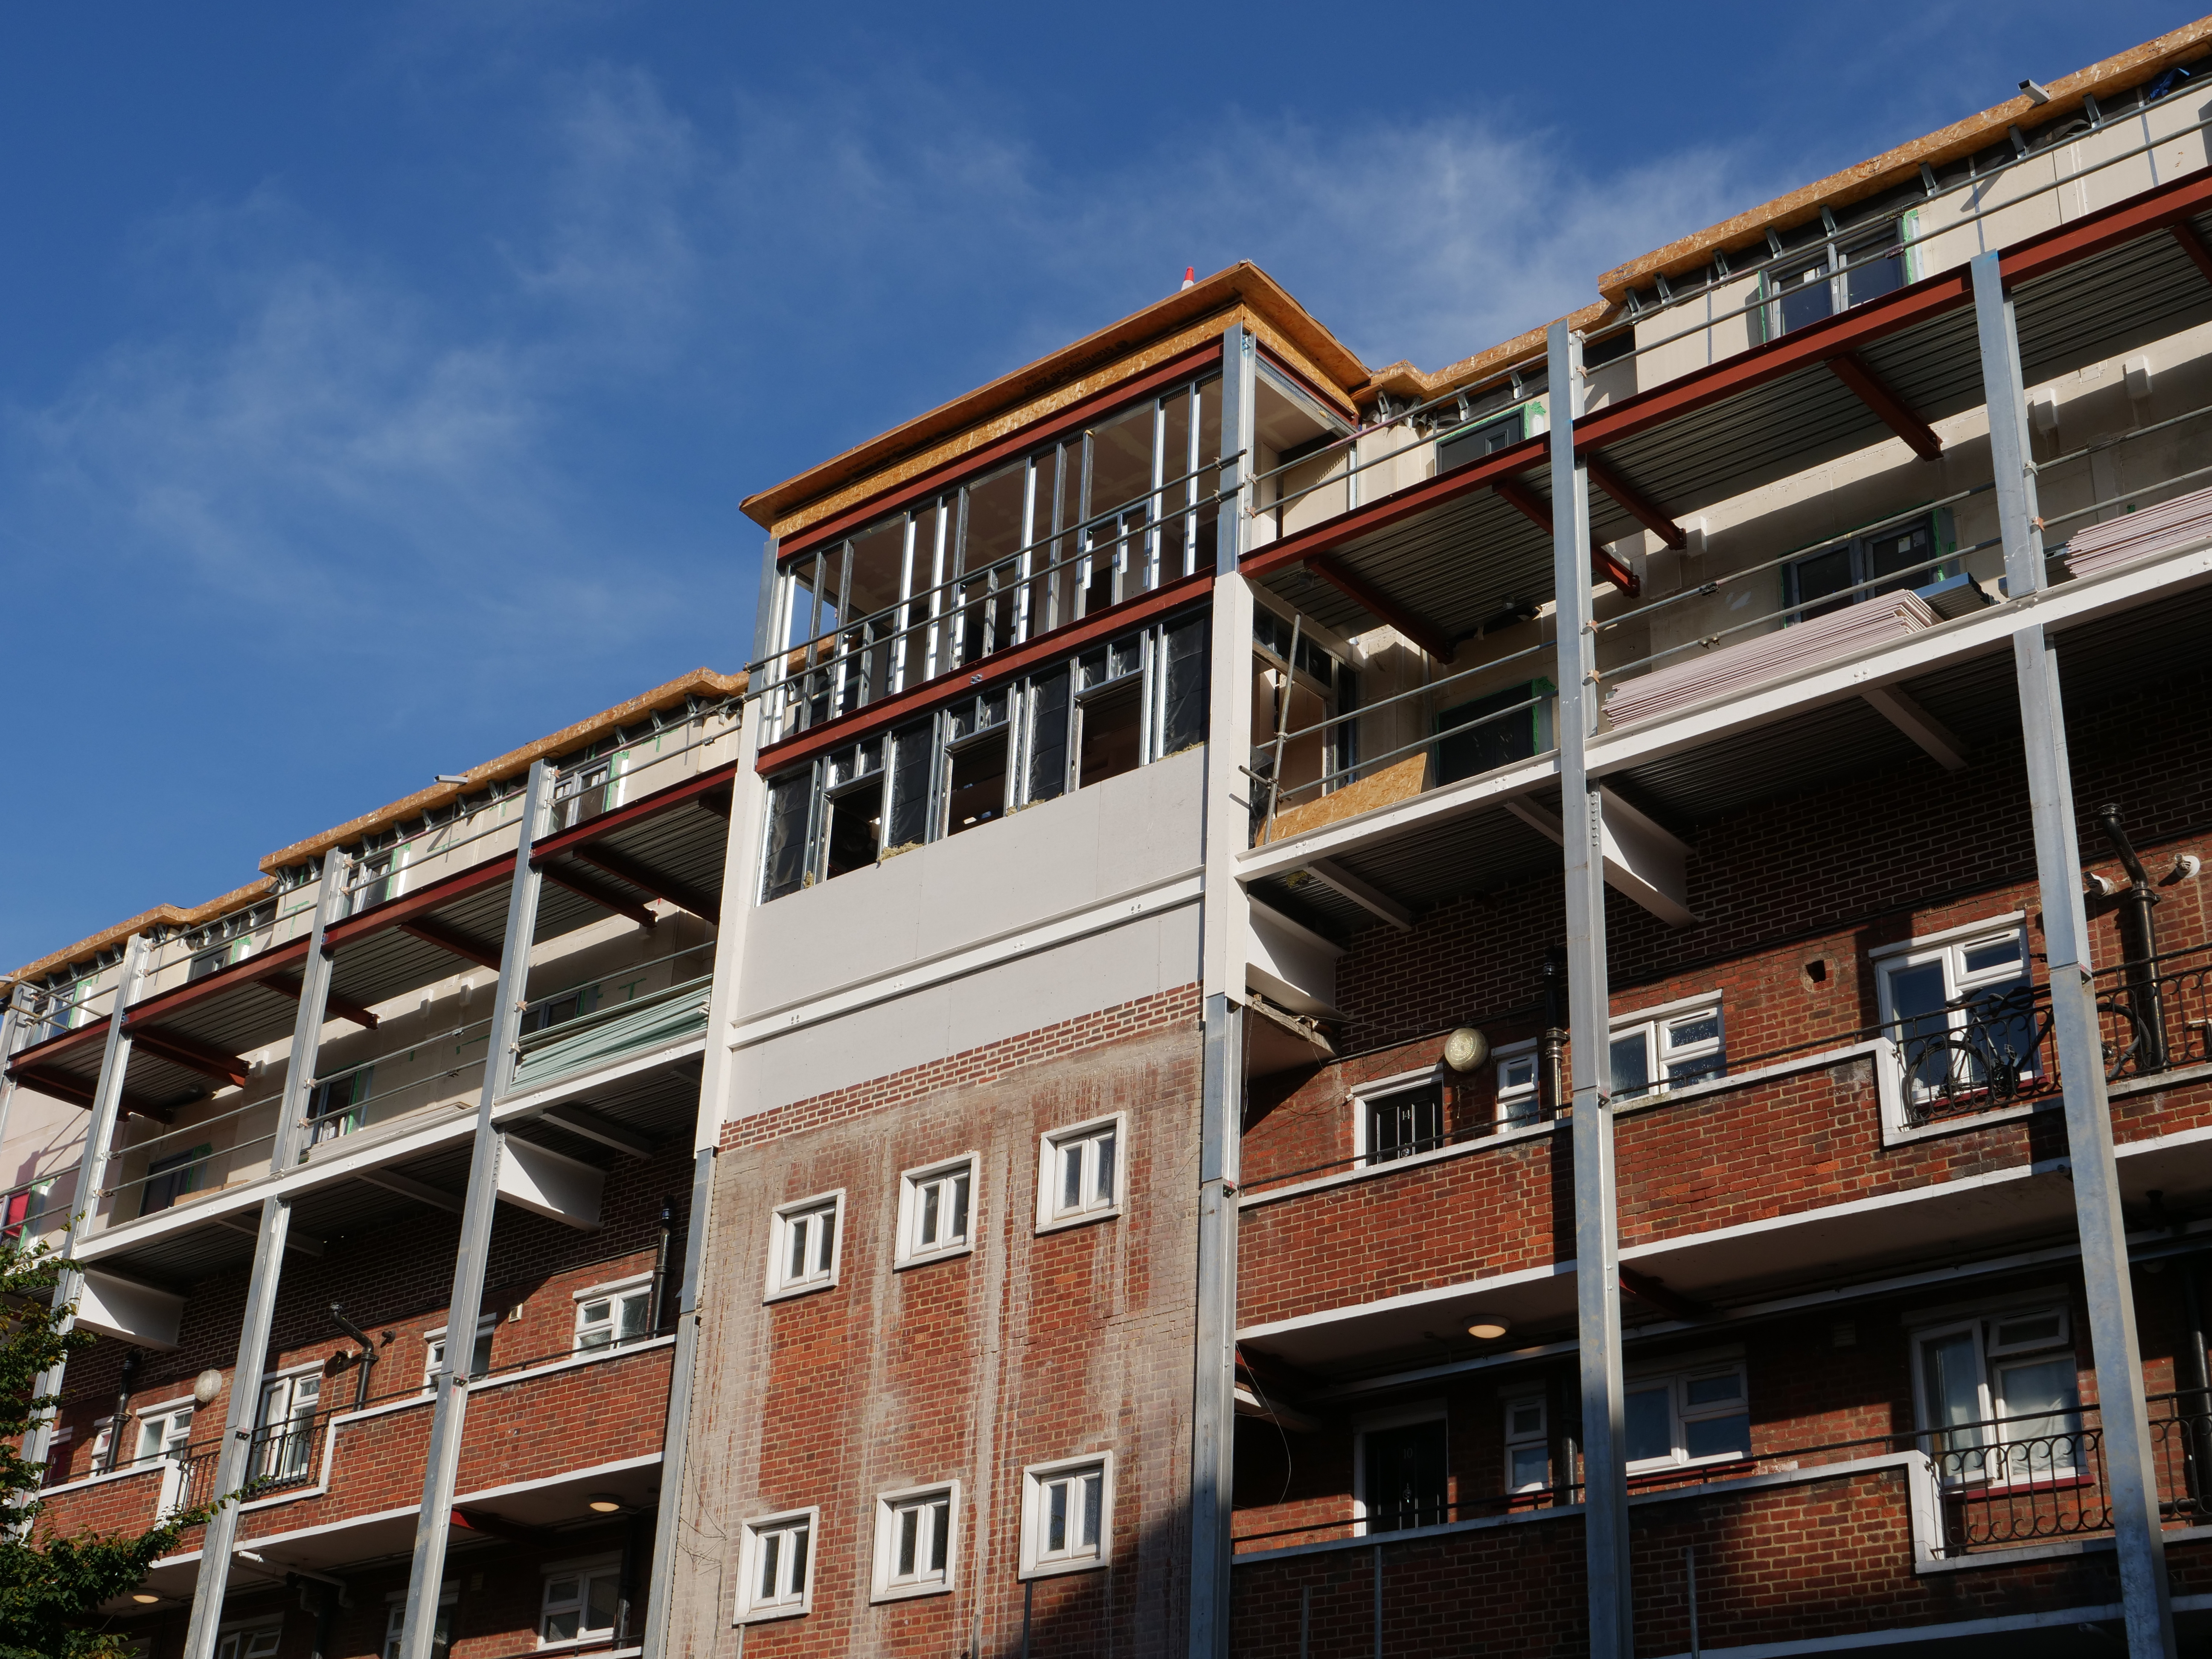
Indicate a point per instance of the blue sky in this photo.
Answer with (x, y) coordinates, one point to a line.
(378, 384)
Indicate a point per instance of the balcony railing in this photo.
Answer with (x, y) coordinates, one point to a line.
(2004, 1483)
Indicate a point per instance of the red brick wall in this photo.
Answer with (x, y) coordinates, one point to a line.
(1034, 1347)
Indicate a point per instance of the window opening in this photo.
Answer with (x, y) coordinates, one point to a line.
(805, 1245)
(1815, 283)
(2002, 1397)
(1692, 1417)
(779, 1574)
(579, 1606)
(618, 1317)
(335, 1106)
(433, 1351)
(976, 749)
(1082, 1170)
(442, 1636)
(1527, 1446)
(935, 1209)
(1481, 438)
(1110, 709)
(914, 1547)
(287, 1422)
(1066, 1517)
(1466, 750)
(169, 1179)
(854, 796)
(261, 1643)
(1820, 582)
(1962, 1015)
(1404, 1477)
(1404, 1121)
(1517, 1102)
(1648, 1056)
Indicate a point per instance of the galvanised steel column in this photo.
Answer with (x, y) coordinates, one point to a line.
(449, 1408)
(1226, 830)
(235, 1467)
(2130, 1471)
(740, 876)
(11, 1025)
(91, 1171)
(1597, 1226)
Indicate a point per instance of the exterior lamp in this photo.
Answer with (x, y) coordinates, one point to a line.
(602, 1503)
(144, 1598)
(1488, 1327)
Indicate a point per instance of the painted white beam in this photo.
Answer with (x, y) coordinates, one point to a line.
(1644, 860)
(407, 1187)
(1940, 745)
(1371, 899)
(1290, 963)
(590, 1126)
(132, 1312)
(550, 1184)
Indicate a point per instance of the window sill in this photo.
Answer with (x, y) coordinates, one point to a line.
(1056, 1569)
(1062, 1223)
(951, 1253)
(911, 1592)
(769, 1615)
(791, 1292)
(590, 1644)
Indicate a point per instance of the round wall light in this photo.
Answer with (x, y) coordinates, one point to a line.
(1466, 1048)
(144, 1598)
(602, 1503)
(1488, 1327)
(206, 1385)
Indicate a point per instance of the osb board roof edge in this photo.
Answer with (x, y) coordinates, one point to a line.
(1404, 380)
(514, 761)
(1903, 164)
(172, 916)
(1119, 350)
(162, 916)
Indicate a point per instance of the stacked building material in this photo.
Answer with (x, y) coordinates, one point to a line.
(2162, 529)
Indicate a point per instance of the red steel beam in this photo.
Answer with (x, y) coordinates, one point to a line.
(598, 893)
(697, 789)
(289, 985)
(1604, 568)
(1892, 410)
(455, 944)
(180, 1050)
(999, 665)
(1632, 500)
(1380, 605)
(2193, 245)
(681, 894)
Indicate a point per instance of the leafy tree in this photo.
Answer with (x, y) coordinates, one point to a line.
(51, 1589)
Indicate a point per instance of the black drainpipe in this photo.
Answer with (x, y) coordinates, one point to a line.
(365, 1361)
(2139, 948)
(131, 1360)
(660, 1266)
(1553, 1048)
(2196, 1403)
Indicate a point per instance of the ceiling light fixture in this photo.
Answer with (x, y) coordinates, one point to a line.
(144, 1598)
(602, 1503)
(1488, 1327)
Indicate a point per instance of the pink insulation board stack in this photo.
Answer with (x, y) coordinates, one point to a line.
(1737, 668)
(2160, 529)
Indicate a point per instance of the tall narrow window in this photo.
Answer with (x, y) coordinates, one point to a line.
(803, 1254)
(1527, 1451)
(783, 862)
(853, 791)
(913, 754)
(914, 1533)
(1067, 1515)
(284, 1435)
(1404, 1479)
(337, 1105)
(976, 788)
(1079, 1174)
(776, 1565)
(933, 1207)
(1961, 1010)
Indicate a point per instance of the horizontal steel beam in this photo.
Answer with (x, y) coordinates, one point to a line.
(583, 887)
(454, 944)
(681, 894)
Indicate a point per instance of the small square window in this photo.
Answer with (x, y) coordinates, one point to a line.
(611, 1316)
(1528, 1449)
(580, 1604)
(258, 1644)
(1067, 1515)
(1402, 1122)
(935, 1208)
(1692, 1417)
(803, 1254)
(776, 1565)
(1517, 1087)
(433, 1351)
(915, 1533)
(395, 1624)
(1079, 1173)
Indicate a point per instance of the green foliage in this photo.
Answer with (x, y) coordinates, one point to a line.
(51, 1589)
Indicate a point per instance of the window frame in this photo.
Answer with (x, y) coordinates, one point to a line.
(1652, 1025)
(1368, 1095)
(1034, 1563)
(1413, 1415)
(751, 1609)
(1947, 948)
(1677, 1377)
(276, 1452)
(586, 1571)
(1990, 1358)
(238, 1640)
(888, 1505)
(614, 1291)
(1512, 1440)
(1050, 1217)
(162, 1452)
(434, 1341)
(908, 1253)
(1942, 543)
(1506, 1113)
(781, 1287)
(395, 1623)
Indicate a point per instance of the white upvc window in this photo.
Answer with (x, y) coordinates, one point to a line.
(1958, 1005)
(1081, 1172)
(433, 1351)
(580, 1601)
(916, 1537)
(608, 1316)
(936, 1207)
(1661, 1047)
(257, 1641)
(286, 1424)
(1528, 1444)
(776, 1565)
(395, 1624)
(2001, 1395)
(164, 1431)
(1067, 1515)
(1517, 1099)
(1695, 1415)
(805, 1245)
